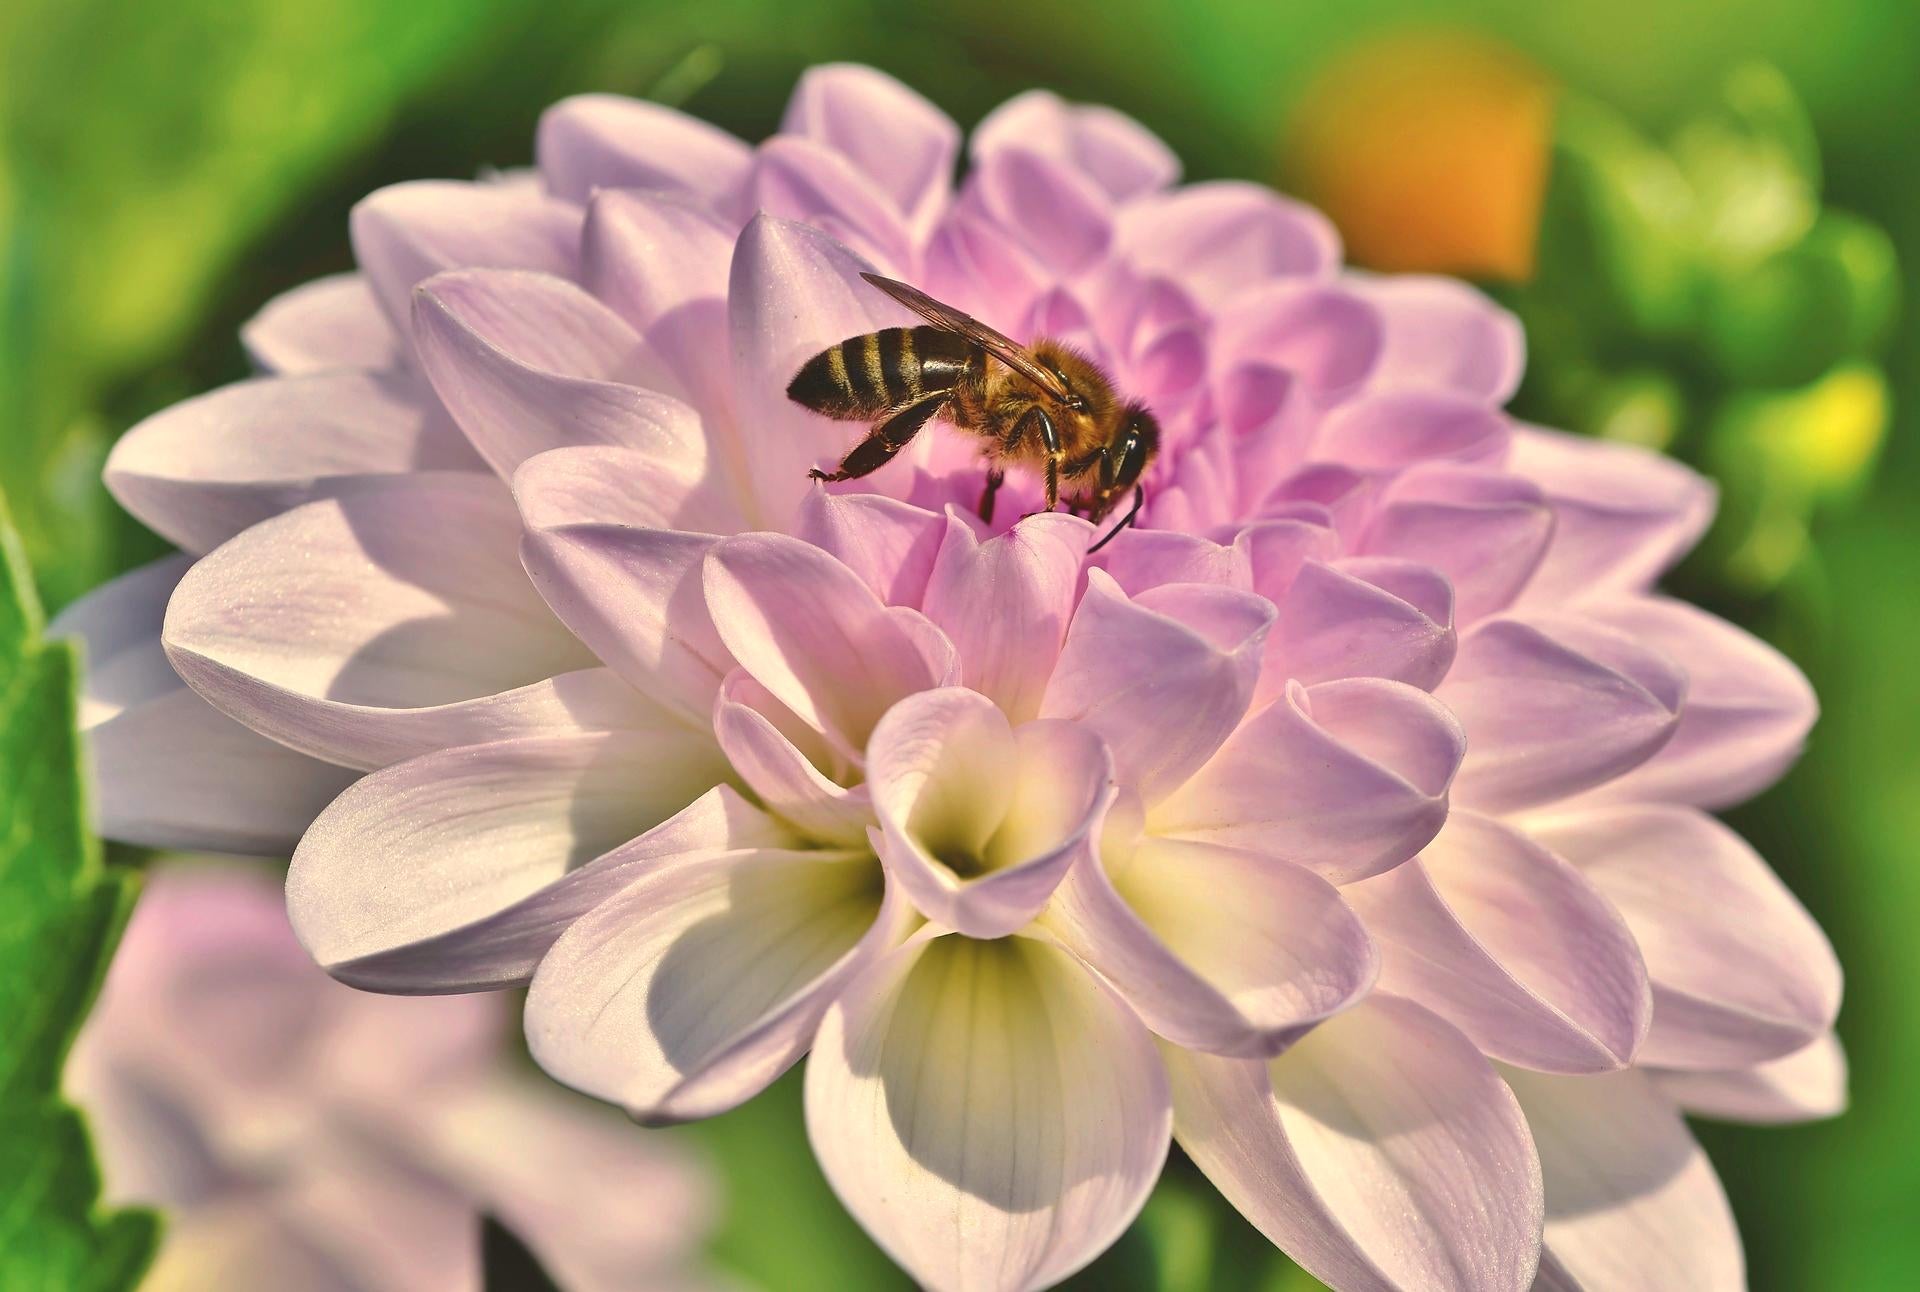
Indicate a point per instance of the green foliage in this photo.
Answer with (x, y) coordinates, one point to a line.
(61, 911)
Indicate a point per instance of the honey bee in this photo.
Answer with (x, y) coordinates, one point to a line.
(1042, 406)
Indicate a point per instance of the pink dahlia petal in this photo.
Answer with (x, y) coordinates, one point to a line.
(1741, 973)
(450, 838)
(704, 979)
(982, 819)
(990, 1111)
(795, 178)
(899, 141)
(890, 544)
(815, 636)
(1622, 514)
(1116, 152)
(1747, 713)
(393, 620)
(1511, 945)
(407, 233)
(527, 363)
(205, 469)
(1632, 1202)
(1554, 706)
(331, 322)
(1808, 1085)
(1277, 550)
(1485, 530)
(1380, 1152)
(595, 141)
(1005, 604)
(1392, 430)
(1060, 216)
(1324, 336)
(1216, 239)
(1443, 335)
(781, 761)
(1189, 651)
(611, 484)
(1139, 559)
(1216, 949)
(1345, 778)
(1336, 621)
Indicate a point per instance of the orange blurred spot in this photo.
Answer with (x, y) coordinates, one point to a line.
(1429, 150)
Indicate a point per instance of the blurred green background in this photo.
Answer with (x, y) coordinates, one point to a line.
(169, 166)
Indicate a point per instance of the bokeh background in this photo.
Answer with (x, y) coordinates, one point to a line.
(1708, 211)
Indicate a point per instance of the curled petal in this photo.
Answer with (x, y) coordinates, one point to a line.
(1215, 948)
(1512, 946)
(1115, 151)
(1188, 651)
(1554, 706)
(1337, 621)
(1741, 973)
(206, 468)
(990, 1112)
(1060, 215)
(1440, 334)
(982, 820)
(890, 544)
(595, 141)
(1485, 530)
(1381, 1152)
(1632, 1202)
(1808, 1085)
(703, 980)
(1277, 550)
(1393, 430)
(1139, 559)
(1346, 778)
(1216, 238)
(407, 233)
(795, 178)
(331, 322)
(895, 138)
(1323, 335)
(781, 761)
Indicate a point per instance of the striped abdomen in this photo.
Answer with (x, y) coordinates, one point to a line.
(865, 376)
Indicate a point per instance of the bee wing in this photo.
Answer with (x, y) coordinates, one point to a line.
(952, 320)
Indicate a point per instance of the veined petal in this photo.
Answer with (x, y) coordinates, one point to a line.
(448, 839)
(371, 627)
(609, 484)
(1351, 620)
(890, 544)
(897, 139)
(1393, 430)
(1441, 334)
(1139, 559)
(1554, 705)
(703, 980)
(206, 468)
(1216, 238)
(981, 820)
(1060, 215)
(1511, 945)
(1741, 973)
(1216, 949)
(331, 322)
(990, 1112)
(1632, 1203)
(595, 141)
(796, 178)
(1188, 651)
(1485, 530)
(1808, 1085)
(1381, 1152)
(1346, 778)
(784, 763)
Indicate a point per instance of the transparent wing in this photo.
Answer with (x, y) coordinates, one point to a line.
(952, 320)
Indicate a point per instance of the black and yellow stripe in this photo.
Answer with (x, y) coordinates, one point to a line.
(865, 376)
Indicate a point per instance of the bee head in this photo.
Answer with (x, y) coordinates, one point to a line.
(1131, 451)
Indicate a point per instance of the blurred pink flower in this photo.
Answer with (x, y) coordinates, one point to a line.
(730, 767)
(299, 1134)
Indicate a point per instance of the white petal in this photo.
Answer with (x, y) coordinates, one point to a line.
(331, 322)
(1808, 1085)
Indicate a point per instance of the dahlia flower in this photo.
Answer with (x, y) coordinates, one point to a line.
(1040, 857)
(303, 1135)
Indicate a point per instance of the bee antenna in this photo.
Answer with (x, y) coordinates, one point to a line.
(1139, 500)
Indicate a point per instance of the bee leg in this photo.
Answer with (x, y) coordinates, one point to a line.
(887, 438)
(1050, 440)
(994, 478)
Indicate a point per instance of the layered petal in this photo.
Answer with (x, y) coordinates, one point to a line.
(1443, 335)
(782, 761)
(611, 484)
(1485, 530)
(1216, 238)
(895, 138)
(1115, 151)
(990, 1112)
(890, 544)
(596, 141)
(1365, 617)
(1380, 1152)
(331, 322)
(1392, 430)
(1808, 1085)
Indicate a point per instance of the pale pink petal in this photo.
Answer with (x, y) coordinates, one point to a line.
(1189, 651)
(786, 765)
(1139, 559)
(427, 846)
(118, 626)
(1217, 238)
(1441, 334)
(1216, 949)
(982, 819)
(407, 233)
(610, 484)
(527, 363)
(595, 141)
(1747, 713)
(890, 544)
(1005, 604)
(330, 322)
(989, 1111)
(703, 980)
(1381, 1152)
(890, 134)
(795, 178)
(1351, 621)
(1115, 151)
(1277, 550)
(815, 636)
(1808, 1085)
(393, 620)
(1058, 214)
(1347, 778)
(1511, 945)
(202, 470)
(1741, 973)
(1555, 705)
(1485, 530)
(1623, 514)
(1633, 1204)
(1390, 431)
(1324, 336)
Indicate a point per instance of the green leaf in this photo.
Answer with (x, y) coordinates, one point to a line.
(61, 911)
(1754, 164)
